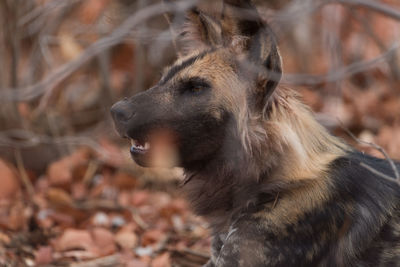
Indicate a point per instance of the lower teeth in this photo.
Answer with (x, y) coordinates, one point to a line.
(140, 147)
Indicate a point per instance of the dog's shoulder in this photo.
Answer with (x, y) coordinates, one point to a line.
(367, 186)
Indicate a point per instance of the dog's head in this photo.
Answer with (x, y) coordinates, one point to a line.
(229, 69)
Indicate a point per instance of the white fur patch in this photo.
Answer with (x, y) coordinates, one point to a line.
(293, 141)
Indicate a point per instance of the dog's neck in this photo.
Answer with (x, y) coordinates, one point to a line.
(293, 148)
(296, 146)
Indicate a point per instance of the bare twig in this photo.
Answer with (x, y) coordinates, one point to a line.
(382, 175)
(342, 73)
(392, 61)
(140, 57)
(24, 176)
(196, 253)
(40, 57)
(173, 33)
(44, 9)
(11, 11)
(376, 6)
(113, 260)
(90, 172)
(162, 244)
(15, 44)
(138, 219)
(28, 139)
(189, 257)
(172, 30)
(286, 19)
(380, 149)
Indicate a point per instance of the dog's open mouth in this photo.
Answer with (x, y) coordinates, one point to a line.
(139, 147)
(156, 148)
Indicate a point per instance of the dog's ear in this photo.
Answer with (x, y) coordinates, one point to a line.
(200, 30)
(243, 27)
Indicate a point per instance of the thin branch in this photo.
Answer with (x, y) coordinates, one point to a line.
(45, 9)
(380, 174)
(199, 254)
(28, 139)
(23, 174)
(108, 261)
(392, 61)
(285, 20)
(15, 43)
(377, 147)
(376, 6)
(342, 73)
(172, 30)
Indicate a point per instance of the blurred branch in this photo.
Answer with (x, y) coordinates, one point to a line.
(174, 34)
(294, 12)
(376, 6)
(37, 19)
(23, 175)
(10, 12)
(108, 261)
(140, 55)
(392, 61)
(331, 32)
(19, 139)
(341, 73)
(284, 20)
(117, 36)
(44, 9)
(380, 174)
(14, 42)
(381, 150)
(40, 58)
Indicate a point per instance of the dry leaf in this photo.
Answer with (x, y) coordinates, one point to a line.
(60, 173)
(152, 236)
(104, 241)
(10, 185)
(162, 260)
(70, 48)
(44, 255)
(124, 181)
(72, 239)
(126, 239)
(91, 10)
(136, 263)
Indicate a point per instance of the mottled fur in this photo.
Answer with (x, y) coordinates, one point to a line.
(276, 187)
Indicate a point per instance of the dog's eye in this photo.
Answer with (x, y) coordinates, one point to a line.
(195, 86)
(196, 89)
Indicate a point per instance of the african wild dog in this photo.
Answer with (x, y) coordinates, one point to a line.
(276, 187)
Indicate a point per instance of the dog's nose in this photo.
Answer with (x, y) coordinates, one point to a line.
(121, 112)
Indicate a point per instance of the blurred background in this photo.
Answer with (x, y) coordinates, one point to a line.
(69, 193)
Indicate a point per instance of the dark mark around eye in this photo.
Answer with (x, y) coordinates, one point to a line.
(194, 85)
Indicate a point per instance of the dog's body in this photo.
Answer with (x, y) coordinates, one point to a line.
(276, 187)
(353, 220)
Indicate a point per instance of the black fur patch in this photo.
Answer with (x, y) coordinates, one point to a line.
(177, 68)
